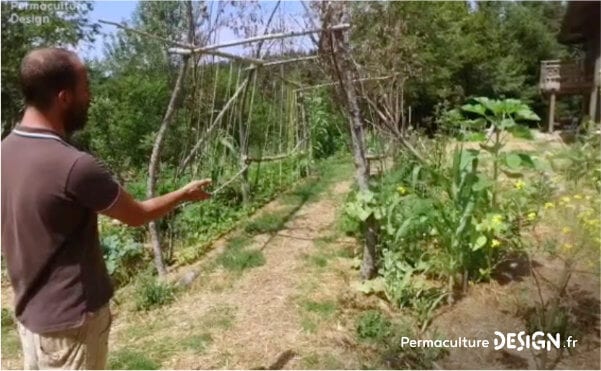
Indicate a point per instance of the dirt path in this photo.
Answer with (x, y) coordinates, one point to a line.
(267, 323)
(271, 316)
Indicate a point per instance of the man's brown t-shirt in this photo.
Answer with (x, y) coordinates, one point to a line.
(51, 194)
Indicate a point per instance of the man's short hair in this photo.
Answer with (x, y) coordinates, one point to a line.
(46, 71)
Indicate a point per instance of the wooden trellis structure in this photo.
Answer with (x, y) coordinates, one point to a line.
(231, 113)
(292, 119)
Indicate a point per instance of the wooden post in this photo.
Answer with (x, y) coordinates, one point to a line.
(551, 117)
(306, 131)
(594, 97)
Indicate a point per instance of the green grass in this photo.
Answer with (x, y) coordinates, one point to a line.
(138, 332)
(7, 317)
(156, 347)
(314, 312)
(267, 223)
(220, 317)
(316, 361)
(302, 193)
(130, 360)
(238, 242)
(328, 249)
(324, 309)
(318, 260)
(238, 259)
(197, 343)
(11, 345)
(308, 324)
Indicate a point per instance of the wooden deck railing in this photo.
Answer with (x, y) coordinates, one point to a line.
(565, 77)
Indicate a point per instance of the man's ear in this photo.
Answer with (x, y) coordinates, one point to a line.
(64, 98)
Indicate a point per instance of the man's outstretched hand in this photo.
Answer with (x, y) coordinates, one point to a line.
(195, 190)
(136, 213)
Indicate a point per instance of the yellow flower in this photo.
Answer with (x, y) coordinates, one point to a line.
(496, 219)
(587, 197)
(566, 230)
(578, 197)
(495, 243)
(566, 199)
(519, 184)
(531, 216)
(567, 246)
(549, 205)
(402, 190)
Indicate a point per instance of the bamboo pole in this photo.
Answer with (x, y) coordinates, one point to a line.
(282, 156)
(281, 35)
(182, 48)
(333, 83)
(285, 61)
(187, 51)
(214, 123)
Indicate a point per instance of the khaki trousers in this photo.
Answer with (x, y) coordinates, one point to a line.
(84, 347)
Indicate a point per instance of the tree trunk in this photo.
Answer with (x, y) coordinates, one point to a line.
(343, 65)
(153, 167)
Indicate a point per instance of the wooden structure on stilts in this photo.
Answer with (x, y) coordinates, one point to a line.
(583, 77)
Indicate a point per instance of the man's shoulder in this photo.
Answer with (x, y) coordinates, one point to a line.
(44, 151)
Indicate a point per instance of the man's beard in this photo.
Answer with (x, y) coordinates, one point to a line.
(76, 118)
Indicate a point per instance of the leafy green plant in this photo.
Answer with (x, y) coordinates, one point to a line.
(372, 325)
(151, 293)
(326, 134)
(581, 161)
(502, 116)
(445, 219)
(122, 255)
